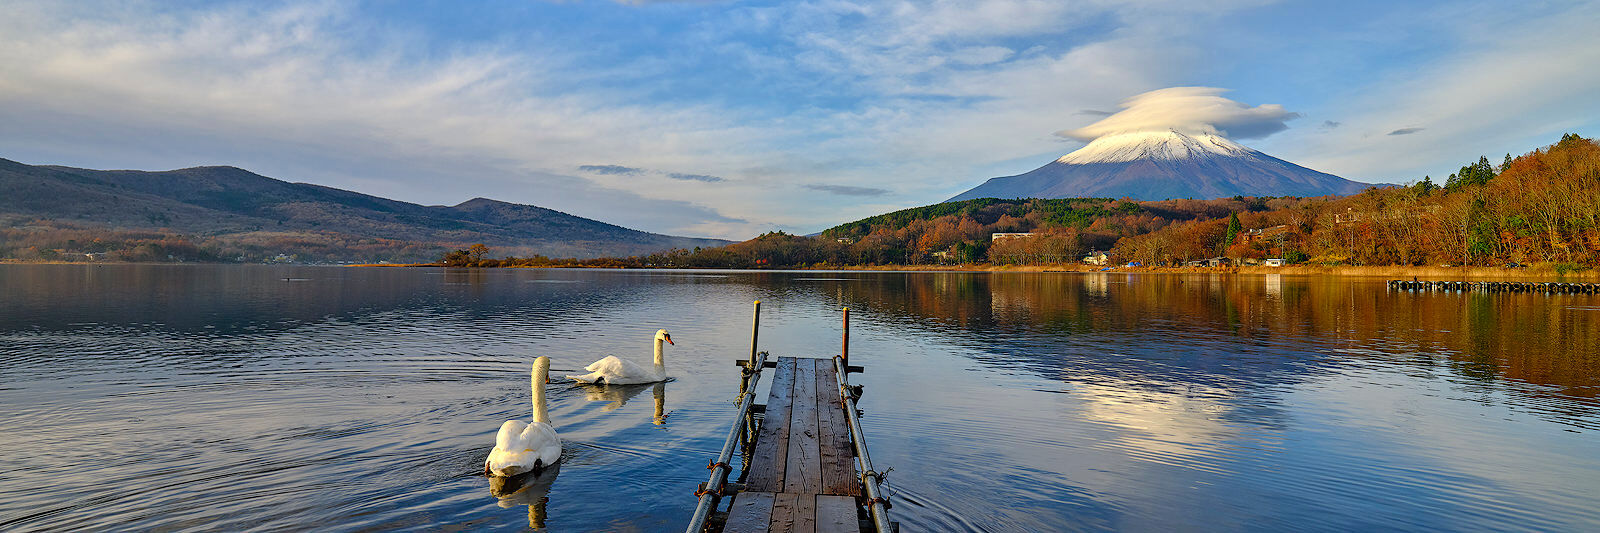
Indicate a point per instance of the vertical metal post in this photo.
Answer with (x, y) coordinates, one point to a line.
(844, 343)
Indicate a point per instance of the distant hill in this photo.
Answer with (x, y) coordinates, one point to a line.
(1163, 165)
(245, 212)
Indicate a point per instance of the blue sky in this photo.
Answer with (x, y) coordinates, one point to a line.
(727, 119)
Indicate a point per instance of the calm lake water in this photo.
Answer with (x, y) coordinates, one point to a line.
(230, 398)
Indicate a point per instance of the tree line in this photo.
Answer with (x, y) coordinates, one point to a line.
(1543, 206)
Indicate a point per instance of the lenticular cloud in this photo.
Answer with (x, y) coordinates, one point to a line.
(1191, 111)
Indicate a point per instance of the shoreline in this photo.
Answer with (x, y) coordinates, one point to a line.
(1541, 272)
(1390, 272)
(1426, 273)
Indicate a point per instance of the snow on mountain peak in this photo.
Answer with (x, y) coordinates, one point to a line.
(1159, 145)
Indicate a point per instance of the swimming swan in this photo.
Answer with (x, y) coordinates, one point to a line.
(521, 447)
(613, 370)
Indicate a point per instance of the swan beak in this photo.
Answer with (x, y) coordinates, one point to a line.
(669, 341)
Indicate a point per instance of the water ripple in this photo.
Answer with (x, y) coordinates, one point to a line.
(223, 398)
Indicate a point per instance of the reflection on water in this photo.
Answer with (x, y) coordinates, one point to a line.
(531, 489)
(618, 396)
(363, 399)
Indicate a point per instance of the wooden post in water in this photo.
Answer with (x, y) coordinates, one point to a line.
(844, 343)
(750, 370)
(755, 331)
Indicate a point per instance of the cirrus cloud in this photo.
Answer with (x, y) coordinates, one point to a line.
(846, 190)
(619, 170)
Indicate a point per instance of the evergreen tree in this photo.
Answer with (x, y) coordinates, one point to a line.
(1426, 186)
(1233, 230)
(1507, 164)
(1473, 174)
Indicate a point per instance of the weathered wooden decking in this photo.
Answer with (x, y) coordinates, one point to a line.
(802, 474)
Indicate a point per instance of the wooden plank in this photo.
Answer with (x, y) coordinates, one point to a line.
(805, 513)
(752, 511)
(770, 457)
(804, 472)
(783, 512)
(838, 458)
(837, 514)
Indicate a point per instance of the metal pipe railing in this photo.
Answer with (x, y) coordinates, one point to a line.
(876, 504)
(720, 468)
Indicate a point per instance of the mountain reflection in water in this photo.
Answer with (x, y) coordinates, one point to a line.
(222, 397)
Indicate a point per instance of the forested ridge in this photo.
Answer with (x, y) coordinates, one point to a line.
(1541, 207)
(227, 214)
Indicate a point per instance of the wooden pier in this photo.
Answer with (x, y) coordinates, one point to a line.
(805, 464)
(801, 476)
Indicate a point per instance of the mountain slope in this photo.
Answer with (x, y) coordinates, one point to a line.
(1162, 165)
(235, 203)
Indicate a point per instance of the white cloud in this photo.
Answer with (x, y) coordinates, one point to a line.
(930, 132)
(319, 92)
(1517, 81)
(1191, 110)
(292, 93)
(919, 98)
(981, 55)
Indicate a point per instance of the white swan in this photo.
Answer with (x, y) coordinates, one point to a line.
(522, 447)
(613, 370)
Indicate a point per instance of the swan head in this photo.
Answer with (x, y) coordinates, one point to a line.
(661, 335)
(541, 369)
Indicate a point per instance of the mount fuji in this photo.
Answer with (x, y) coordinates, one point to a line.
(1158, 165)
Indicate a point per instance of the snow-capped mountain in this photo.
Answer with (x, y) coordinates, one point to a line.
(1164, 164)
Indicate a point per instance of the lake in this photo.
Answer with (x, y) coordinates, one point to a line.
(230, 398)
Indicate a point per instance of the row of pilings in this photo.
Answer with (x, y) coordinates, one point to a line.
(1548, 287)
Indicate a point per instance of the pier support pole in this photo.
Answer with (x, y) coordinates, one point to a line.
(844, 343)
(751, 370)
(755, 331)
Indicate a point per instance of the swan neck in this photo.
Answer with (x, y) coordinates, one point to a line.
(661, 365)
(541, 373)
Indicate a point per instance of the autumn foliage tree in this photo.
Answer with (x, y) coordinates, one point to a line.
(1543, 206)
